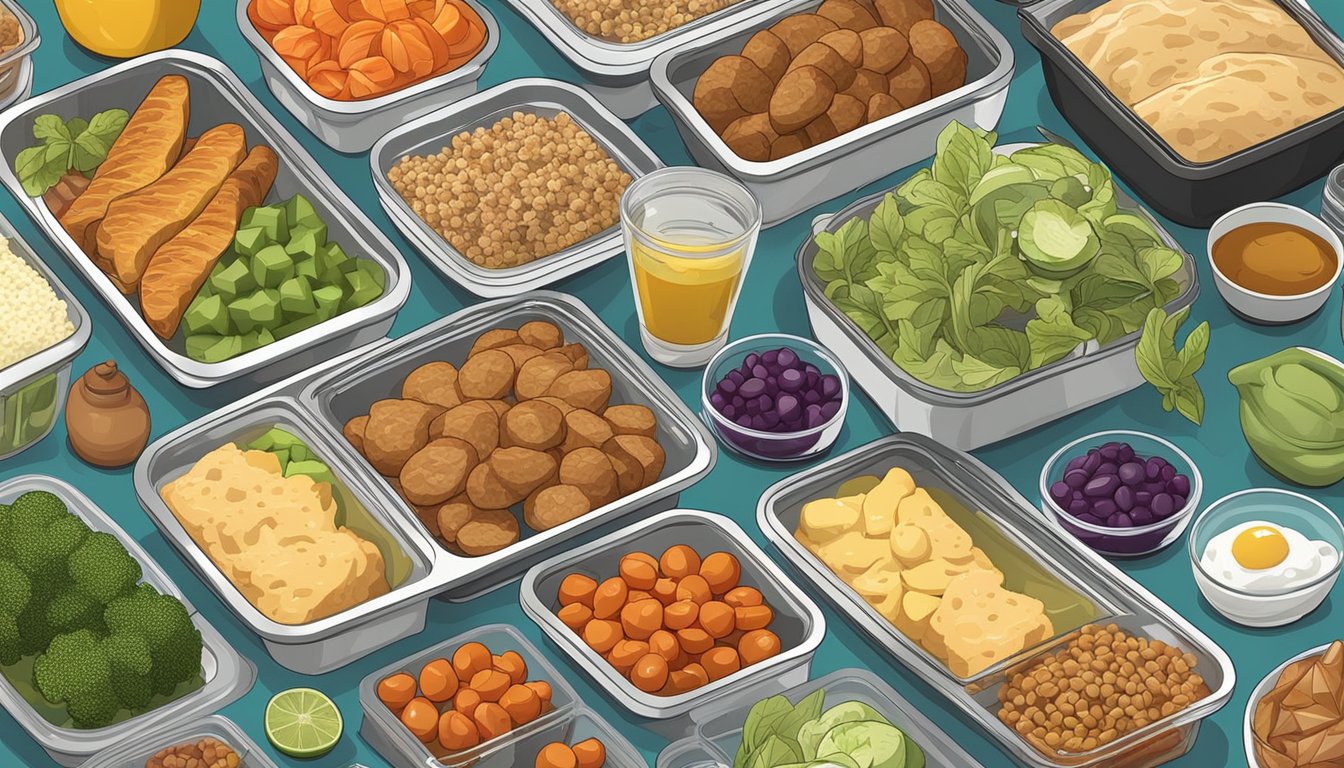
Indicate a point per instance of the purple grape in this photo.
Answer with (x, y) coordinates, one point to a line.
(828, 410)
(1091, 463)
(739, 401)
(1143, 498)
(1131, 473)
(1076, 478)
(1126, 453)
(1104, 508)
(1168, 473)
(1177, 502)
(787, 357)
(1109, 451)
(771, 387)
(1163, 505)
(752, 388)
(771, 357)
(765, 403)
(758, 423)
(812, 397)
(1101, 485)
(792, 380)
(787, 405)
(1079, 507)
(753, 406)
(1152, 469)
(813, 376)
(736, 377)
(830, 386)
(810, 368)
(1141, 516)
(1061, 493)
(759, 371)
(1090, 519)
(718, 401)
(1077, 495)
(770, 419)
(744, 420)
(813, 417)
(1075, 463)
(1124, 498)
(751, 360)
(1119, 520)
(1179, 486)
(729, 411)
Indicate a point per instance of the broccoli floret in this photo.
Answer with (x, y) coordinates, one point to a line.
(102, 568)
(43, 534)
(6, 551)
(35, 632)
(128, 658)
(74, 671)
(16, 594)
(73, 610)
(163, 623)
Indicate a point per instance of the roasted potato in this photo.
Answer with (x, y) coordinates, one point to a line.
(589, 470)
(541, 334)
(538, 374)
(801, 30)
(532, 424)
(433, 383)
(585, 429)
(487, 375)
(488, 531)
(499, 337)
(588, 389)
(803, 95)
(769, 53)
(555, 505)
(438, 471)
(395, 431)
(475, 421)
(731, 87)
(848, 14)
(354, 432)
(902, 14)
(631, 419)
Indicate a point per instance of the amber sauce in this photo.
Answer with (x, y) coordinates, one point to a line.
(1275, 259)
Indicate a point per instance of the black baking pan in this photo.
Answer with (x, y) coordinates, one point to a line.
(1194, 194)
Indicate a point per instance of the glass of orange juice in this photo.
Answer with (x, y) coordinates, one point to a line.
(689, 234)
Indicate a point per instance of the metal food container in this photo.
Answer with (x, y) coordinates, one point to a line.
(1061, 564)
(354, 126)
(346, 391)
(134, 753)
(1262, 689)
(797, 620)
(719, 727)
(226, 674)
(1332, 200)
(44, 377)
(432, 132)
(384, 731)
(218, 96)
(1193, 194)
(618, 73)
(328, 643)
(793, 184)
(16, 64)
(969, 420)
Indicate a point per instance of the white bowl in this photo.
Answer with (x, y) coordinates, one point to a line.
(1263, 307)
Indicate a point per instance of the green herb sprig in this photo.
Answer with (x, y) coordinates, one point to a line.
(67, 145)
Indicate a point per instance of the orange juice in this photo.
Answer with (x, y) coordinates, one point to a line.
(690, 235)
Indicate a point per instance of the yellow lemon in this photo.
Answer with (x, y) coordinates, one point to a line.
(126, 28)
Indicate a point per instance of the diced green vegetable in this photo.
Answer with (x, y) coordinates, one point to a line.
(271, 218)
(328, 299)
(206, 316)
(296, 297)
(272, 266)
(233, 280)
(247, 242)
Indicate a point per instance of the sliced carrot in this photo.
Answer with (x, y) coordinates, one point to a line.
(329, 16)
(424, 9)
(452, 27)
(325, 52)
(327, 78)
(471, 42)
(359, 41)
(437, 47)
(303, 12)
(297, 42)
(406, 48)
(370, 77)
(384, 10)
(275, 13)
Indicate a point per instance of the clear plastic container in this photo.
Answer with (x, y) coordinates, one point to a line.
(618, 73)
(135, 752)
(217, 97)
(354, 126)
(719, 727)
(1122, 542)
(226, 674)
(347, 391)
(773, 446)
(791, 185)
(1248, 737)
(33, 390)
(969, 420)
(1077, 586)
(798, 622)
(328, 643)
(1286, 509)
(16, 64)
(432, 132)
(383, 730)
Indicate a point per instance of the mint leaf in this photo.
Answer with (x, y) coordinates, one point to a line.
(108, 125)
(886, 227)
(1169, 370)
(51, 129)
(76, 126)
(40, 167)
(1053, 333)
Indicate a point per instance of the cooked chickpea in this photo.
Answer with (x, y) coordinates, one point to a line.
(470, 659)
(664, 644)
(421, 718)
(665, 591)
(522, 704)
(438, 681)
(694, 588)
(753, 617)
(720, 662)
(602, 635)
(457, 731)
(679, 561)
(466, 701)
(396, 691)
(649, 673)
(681, 614)
(575, 615)
(591, 753)
(490, 684)
(577, 589)
(491, 720)
(512, 664)
(717, 619)
(758, 645)
(744, 597)
(694, 640)
(639, 570)
(610, 598)
(630, 21)
(721, 571)
(624, 655)
(641, 619)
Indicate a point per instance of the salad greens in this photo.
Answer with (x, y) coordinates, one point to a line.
(67, 145)
(778, 734)
(983, 266)
(1169, 370)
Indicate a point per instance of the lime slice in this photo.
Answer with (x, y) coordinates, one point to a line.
(302, 722)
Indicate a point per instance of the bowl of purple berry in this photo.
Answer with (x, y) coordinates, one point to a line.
(775, 397)
(1122, 493)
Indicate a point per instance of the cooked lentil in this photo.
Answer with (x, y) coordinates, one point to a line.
(523, 189)
(32, 318)
(206, 753)
(1100, 686)
(632, 21)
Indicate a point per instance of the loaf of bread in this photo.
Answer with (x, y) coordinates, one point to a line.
(1212, 77)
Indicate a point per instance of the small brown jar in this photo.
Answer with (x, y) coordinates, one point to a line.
(107, 419)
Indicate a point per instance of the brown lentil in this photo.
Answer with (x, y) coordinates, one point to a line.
(522, 189)
(631, 21)
(1101, 686)
(206, 753)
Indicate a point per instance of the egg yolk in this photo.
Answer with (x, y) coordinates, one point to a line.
(1260, 547)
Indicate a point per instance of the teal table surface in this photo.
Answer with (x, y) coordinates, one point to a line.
(771, 301)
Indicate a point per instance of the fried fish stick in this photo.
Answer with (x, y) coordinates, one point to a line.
(178, 270)
(137, 224)
(147, 147)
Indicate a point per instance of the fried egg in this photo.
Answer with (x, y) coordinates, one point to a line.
(1263, 557)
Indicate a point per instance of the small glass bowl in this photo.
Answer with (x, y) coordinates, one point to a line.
(772, 446)
(1123, 542)
(1265, 608)
(1252, 742)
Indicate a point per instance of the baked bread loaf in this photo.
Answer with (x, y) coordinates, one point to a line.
(1212, 77)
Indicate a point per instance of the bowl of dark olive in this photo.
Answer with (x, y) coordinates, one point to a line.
(775, 397)
(1122, 493)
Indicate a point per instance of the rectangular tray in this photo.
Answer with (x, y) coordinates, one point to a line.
(1191, 194)
(328, 643)
(134, 753)
(218, 96)
(793, 184)
(227, 674)
(718, 733)
(346, 391)
(55, 360)
(1117, 598)
(354, 126)
(434, 131)
(618, 73)
(969, 420)
(382, 729)
(797, 620)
